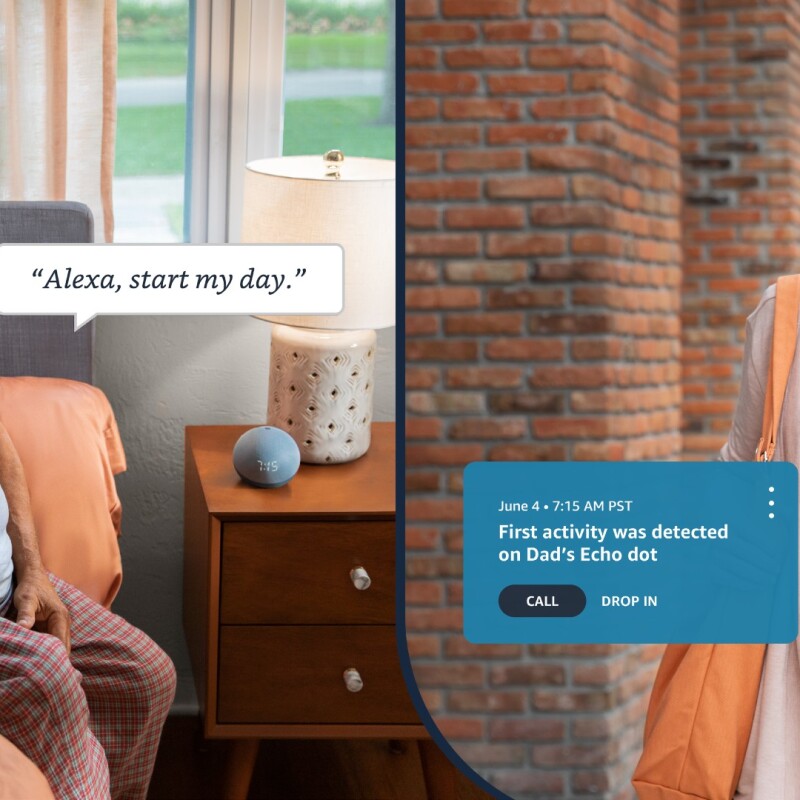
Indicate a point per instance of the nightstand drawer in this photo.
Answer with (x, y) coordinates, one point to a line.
(295, 674)
(300, 572)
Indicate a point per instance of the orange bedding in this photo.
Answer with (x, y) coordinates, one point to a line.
(20, 778)
(70, 448)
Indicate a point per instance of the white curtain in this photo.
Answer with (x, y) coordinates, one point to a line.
(58, 63)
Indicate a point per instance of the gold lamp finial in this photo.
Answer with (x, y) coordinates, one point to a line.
(333, 163)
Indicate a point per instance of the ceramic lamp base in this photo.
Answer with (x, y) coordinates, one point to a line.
(320, 391)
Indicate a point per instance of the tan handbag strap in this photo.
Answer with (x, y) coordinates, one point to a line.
(784, 338)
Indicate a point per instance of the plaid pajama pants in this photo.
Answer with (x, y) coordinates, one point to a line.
(91, 721)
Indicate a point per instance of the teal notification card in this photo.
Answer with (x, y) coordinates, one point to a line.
(630, 552)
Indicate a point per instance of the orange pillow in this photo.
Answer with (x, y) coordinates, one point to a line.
(69, 445)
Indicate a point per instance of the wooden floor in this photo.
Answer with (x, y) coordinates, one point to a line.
(190, 768)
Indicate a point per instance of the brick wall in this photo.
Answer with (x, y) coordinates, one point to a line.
(740, 150)
(543, 240)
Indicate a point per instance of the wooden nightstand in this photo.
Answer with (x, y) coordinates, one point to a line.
(272, 615)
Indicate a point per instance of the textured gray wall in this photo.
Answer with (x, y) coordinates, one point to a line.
(161, 374)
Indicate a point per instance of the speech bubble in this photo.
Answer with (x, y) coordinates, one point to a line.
(85, 280)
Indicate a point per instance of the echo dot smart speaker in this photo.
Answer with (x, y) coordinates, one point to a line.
(266, 457)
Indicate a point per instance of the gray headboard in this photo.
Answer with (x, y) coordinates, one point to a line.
(45, 346)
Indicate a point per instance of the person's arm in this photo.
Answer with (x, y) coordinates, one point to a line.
(746, 427)
(35, 598)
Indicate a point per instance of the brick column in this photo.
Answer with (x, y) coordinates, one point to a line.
(544, 273)
(740, 142)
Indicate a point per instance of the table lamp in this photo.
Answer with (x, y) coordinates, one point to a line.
(322, 368)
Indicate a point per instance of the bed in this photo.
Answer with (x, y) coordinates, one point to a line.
(41, 346)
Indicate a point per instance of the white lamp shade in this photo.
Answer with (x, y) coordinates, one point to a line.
(290, 200)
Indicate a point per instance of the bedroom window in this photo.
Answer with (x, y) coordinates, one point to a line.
(262, 78)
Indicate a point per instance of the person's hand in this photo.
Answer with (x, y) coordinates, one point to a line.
(38, 606)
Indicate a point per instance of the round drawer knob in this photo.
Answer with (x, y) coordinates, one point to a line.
(361, 579)
(352, 680)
